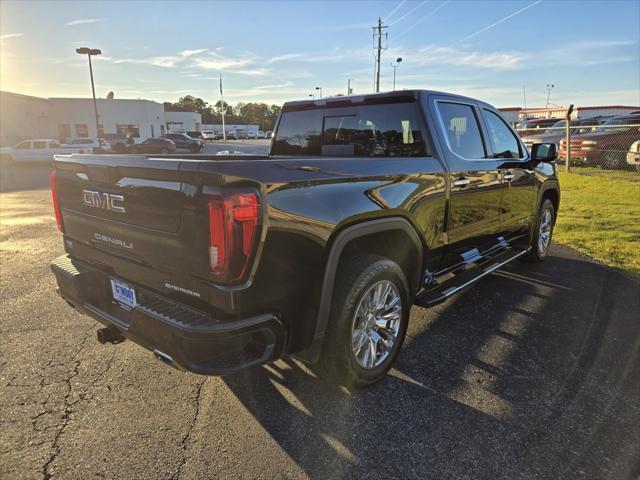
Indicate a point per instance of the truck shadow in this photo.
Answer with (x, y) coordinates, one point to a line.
(532, 373)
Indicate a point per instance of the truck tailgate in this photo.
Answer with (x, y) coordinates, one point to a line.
(149, 210)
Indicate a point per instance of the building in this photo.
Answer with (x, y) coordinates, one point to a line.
(75, 118)
(519, 114)
(510, 114)
(240, 130)
(183, 121)
(23, 117)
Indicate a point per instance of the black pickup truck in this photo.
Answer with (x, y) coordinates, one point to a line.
(365, 206)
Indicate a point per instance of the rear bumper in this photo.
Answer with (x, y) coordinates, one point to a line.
(180, 335)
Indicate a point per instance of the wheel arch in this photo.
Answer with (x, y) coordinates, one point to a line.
(375, 233)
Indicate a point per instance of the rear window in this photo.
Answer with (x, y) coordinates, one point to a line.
(392, 130)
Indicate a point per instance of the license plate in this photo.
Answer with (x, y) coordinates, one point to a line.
(123, 293)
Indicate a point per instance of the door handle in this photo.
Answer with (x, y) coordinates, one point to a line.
(508, 176)
(461, 182)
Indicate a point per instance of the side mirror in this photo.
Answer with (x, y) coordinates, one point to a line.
(544, 152)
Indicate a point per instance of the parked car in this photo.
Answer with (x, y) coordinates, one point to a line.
(182, 140)
(308, 251)
(531, 126)
(261, 134)
(153, 145)
(608, 146)
(39, 150)
(208, 136)
(557, 131)
(633, 155)
(196, 135)
(232, 136)
(91, 143)
(268, 133)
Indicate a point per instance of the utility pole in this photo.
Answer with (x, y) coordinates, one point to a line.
(224, 132)
(524, 97)
(349, 91)
(377, 30)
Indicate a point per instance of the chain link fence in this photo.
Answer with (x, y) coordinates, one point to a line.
(595, 146)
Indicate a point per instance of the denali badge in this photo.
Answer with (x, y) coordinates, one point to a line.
(107, 201)
(113, 241)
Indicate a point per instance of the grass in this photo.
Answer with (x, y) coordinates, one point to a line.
(600, 217)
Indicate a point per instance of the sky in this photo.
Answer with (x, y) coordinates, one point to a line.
(276, 51)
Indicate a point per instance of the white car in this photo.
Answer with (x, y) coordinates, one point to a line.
(40, 150)
(262, 134)
(633, 155)
(90, 143)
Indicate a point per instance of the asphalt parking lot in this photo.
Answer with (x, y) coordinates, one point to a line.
(532, 374)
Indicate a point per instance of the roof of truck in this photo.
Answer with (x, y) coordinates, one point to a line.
(383, 97)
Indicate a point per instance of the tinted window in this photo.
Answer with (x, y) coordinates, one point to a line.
(299, 133)
(23, 145)
(39, 145)
(462, 130)
(368, 130)
(374, 130)
(505, 143)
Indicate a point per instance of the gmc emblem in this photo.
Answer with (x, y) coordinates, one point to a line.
(106, 201)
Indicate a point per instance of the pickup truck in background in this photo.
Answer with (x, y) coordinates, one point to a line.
(365, 206)
(607, 146)
(42, 150)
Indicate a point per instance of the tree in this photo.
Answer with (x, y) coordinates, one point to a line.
(252, 113)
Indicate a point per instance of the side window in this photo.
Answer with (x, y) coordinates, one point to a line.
(23, 145)
(54, 145)
(462, 130)
(39, 145)
(505, 143)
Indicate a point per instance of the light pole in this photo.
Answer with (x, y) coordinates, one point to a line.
(89, 52)
(312, 96)
(320, 88)
(398, 62)
(549, 87)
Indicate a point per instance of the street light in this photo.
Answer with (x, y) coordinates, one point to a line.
(89, 52)
(319, 88)
(398, 62)
(312, 96)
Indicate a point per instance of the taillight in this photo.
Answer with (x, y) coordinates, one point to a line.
(56, 207)
(233, 225)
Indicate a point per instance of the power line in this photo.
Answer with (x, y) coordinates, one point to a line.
(409, 12)
(496, 23)
(395, 9)
(406, 30)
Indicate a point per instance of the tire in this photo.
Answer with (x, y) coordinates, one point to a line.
(611, 160)
(358, 280)
(164, 151)
(545, 221)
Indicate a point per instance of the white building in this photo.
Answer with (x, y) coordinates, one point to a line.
(183, 121)
(245, 130)
(24, 117)
(75, 118)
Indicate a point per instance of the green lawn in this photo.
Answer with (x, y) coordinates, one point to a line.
(600, 217)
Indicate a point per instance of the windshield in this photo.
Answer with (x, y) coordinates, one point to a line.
(620, 124)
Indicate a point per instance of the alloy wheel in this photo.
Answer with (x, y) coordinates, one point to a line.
(544, 232)
(376, 323)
